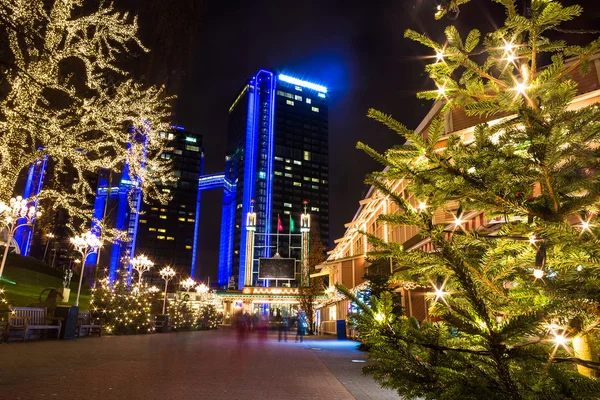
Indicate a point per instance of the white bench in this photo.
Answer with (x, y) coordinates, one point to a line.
(28, 319)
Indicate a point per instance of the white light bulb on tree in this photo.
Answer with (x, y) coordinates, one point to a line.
(141, 264)
(167, 273)
(16, 214)
(86, 244)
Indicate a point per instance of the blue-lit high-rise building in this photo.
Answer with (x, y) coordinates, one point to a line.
(166, 233)
(277, 157)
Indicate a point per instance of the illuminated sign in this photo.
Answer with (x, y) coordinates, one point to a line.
(296, 81)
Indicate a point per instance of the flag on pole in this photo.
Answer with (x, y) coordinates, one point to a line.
(292, 227)
(279, 226)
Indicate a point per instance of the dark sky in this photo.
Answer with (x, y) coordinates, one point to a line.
(205, 51)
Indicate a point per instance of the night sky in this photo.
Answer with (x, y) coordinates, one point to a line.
(205, 51)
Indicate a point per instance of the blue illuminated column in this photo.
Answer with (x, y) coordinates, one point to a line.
(103, 192)
(227, 230)
(33, 186)
(197, 224)
(261, 120)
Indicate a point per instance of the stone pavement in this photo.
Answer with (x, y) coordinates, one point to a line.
(188, 365)
(344, 360)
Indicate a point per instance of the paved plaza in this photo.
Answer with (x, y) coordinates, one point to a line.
(188, 365)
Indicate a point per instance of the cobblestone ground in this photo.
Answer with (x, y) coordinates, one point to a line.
(189, 365)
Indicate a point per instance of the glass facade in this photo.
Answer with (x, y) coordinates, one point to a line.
(277, 157)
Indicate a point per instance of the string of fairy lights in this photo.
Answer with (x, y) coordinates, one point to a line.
(78, 120)
(131, 309)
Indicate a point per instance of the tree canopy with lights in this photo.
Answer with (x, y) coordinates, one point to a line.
(516, 301)
(66, 94)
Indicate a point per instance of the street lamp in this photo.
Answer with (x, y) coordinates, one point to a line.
(49, 238)
(167, 273)
(141, 264)
(188, 284)
(12, 216)
(86, 244)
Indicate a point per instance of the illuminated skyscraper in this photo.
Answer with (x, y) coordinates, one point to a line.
(166, 233)
(277, 155)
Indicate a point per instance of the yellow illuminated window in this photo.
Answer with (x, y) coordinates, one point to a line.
(160, 237)
(163, 217)
(188, 247)
(191, 220)
(181, 219)
(152, 229)
(143, 221)
(315, 109)
(297, 184)
(306, 155)
(332, 312)
(162, 230)
(163, 209)
(170, 238)
(154, 209)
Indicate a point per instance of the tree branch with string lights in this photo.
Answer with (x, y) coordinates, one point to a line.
(516, 300)
(66, 96)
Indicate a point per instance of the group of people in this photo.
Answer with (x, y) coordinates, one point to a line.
(246, 323)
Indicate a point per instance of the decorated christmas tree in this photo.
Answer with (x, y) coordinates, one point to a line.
(516, 301)
(208, 317)
(181, 314)
(123, 309)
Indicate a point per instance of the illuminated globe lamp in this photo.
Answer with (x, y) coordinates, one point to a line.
(16, 214)
(85, 244)
(167, 273)
(202, 289)
(188, 284)
(141, 264)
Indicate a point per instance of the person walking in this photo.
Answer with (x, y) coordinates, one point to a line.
(302, 325)
(283, 327)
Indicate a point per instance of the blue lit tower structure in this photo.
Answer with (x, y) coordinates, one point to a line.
(33, 186)
(277, 155)
(166, 233)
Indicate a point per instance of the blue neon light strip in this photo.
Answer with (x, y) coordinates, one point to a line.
(249, 172)
(296, 81)
(270, 160)
(197, 221)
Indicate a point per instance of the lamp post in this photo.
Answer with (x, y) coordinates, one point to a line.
(188, 284)
(141, 264)
(86, 244)
(202, 289)
(49, 237)
(167, 273)
(11, 216)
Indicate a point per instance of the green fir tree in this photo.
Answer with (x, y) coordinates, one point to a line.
(517, 300)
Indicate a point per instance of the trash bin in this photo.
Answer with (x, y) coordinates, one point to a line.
(161, 323)
(341, 329)
(69, 316)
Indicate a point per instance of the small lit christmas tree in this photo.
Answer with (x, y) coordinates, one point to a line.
(181, 315)
(122, 309)
(517, 300)
(208, 317)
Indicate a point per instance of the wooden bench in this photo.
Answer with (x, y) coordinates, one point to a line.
(31, 319)
(84, 322)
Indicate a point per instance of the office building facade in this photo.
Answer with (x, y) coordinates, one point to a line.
(277, 158)
(165, 233)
